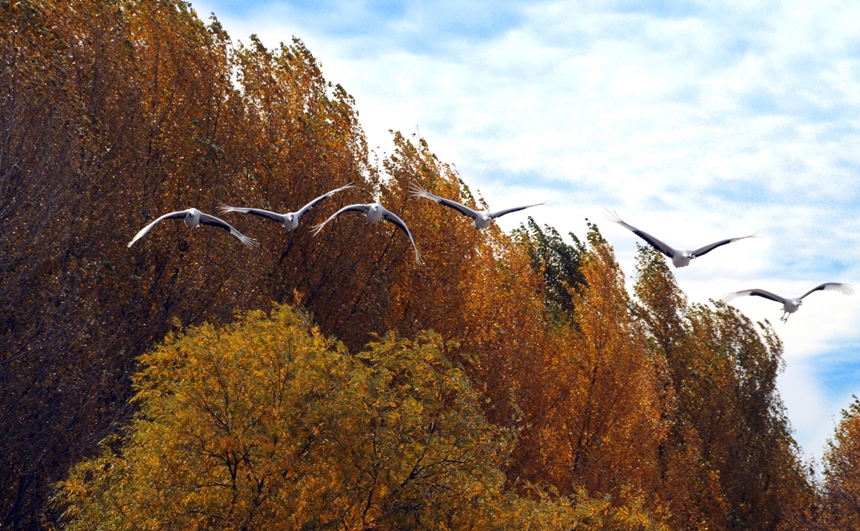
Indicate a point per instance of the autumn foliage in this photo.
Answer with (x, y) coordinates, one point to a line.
(511, 381)
(267, 423)
(842, 473)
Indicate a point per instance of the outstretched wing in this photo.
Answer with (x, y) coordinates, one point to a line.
(831, 286)
(462, 209)
(212, 221)
(651, 240)
(500, 213)
(754, 293)
(274, 216)
(143, 231)
(320, 198)
(356, 207)
(391, 217)
(708, 248)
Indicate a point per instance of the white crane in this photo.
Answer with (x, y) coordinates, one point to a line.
(482, 219)
(290, 219)
(194, 218)
(789, 306)
(375, 213)
(680, 258)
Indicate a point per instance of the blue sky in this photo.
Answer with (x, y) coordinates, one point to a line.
(694, 120)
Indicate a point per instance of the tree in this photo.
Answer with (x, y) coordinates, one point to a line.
(113, 113)
(729, 461)
(604, 425)
(267, 423)
(841, 488)
(558, 262)
(689, 487)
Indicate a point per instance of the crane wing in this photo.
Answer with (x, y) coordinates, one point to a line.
(462, 209)
(274, 216)
(500, 213)
(320, 198)
(391, 217)
(831, 286)
(708, 248)
(143, 231)
(754, 293)
(212, 221)
(651, 240)
(356, 207)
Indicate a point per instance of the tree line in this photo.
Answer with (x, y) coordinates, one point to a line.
(544, 388)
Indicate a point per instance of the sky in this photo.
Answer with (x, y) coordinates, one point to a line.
(694, 121)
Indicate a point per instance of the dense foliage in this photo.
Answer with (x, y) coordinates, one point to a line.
(842, 473)
(268, 424)
(545, 388)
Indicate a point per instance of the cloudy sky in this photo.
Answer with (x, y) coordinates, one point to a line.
(695, 121)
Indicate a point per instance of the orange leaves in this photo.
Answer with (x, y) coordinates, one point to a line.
(114, 113)
(602, 417)
(729, 455)
(841, 486)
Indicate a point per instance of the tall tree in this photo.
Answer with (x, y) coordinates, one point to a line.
(689, 487)
(114, 113)
(841, 488)
(559, 264)
(606, 424)
(729, 430)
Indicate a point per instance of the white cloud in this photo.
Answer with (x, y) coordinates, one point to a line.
(810, 411)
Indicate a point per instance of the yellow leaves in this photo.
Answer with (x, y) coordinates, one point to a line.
(390, 437)
(239, 423)
(269, 416)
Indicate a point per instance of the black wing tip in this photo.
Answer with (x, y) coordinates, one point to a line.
(653, 245)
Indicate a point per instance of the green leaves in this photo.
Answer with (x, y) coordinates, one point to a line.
(558, 263)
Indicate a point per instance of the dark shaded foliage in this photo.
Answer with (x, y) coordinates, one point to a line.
(557, 261)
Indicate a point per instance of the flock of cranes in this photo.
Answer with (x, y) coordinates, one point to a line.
(682, 259)
(376, 212)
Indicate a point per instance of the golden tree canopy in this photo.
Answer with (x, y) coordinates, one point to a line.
(268, 424)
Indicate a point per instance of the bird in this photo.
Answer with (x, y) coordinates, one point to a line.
(789, 306)
(375, 212)
(194, 218)
(482, 219)
(680, 258)
(290, 219)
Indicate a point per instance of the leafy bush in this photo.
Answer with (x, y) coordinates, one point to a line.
(267, 423)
